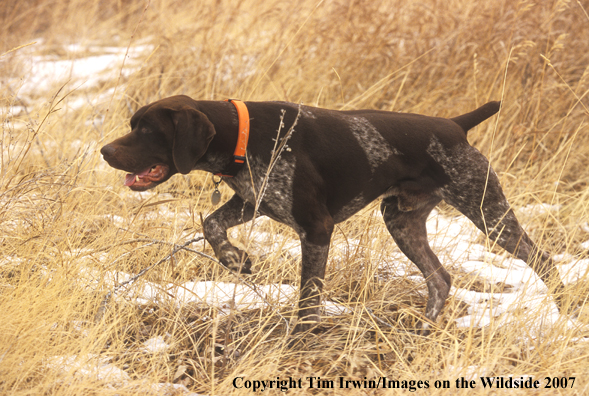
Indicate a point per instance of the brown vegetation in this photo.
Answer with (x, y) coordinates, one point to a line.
(67, 223)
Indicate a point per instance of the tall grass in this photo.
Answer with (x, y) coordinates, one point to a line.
(67, 223)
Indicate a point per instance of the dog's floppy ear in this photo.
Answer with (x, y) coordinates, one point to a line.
(193, 134)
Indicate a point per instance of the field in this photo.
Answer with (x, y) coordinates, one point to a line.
(75, 321)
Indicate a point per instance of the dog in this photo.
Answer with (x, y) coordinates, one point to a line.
(331, 165)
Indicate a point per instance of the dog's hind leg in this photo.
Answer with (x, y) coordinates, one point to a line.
(475, 191)
(232, 213)
(409, 232)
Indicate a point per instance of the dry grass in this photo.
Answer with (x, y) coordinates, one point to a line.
(66, 221)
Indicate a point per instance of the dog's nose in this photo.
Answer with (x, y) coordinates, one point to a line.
(108, 151)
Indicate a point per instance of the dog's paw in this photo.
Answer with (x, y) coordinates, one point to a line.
(305, 327)
(236, 260)
(309, 321)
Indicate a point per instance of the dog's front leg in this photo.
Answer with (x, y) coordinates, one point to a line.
(313, 265)
(315, 249)
(234, 212)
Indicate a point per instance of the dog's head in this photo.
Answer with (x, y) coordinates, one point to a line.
(167, 137)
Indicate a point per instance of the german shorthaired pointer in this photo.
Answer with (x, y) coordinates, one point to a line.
(334, 164)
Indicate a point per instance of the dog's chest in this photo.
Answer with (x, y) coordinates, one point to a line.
(272, 188)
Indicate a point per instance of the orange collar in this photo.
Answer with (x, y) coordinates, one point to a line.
(242, 138)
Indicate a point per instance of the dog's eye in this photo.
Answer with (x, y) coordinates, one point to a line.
(145, 130)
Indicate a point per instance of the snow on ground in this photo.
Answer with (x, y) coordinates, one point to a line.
(450, 238)
(91, 367)
(82, 67)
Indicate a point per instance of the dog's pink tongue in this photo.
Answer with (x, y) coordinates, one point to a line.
(130, 179)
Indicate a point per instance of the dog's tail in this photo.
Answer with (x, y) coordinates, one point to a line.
(474, 118)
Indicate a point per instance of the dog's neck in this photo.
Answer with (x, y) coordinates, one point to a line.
(219, 154)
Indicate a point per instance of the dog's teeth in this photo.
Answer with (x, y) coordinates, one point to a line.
(136, 178)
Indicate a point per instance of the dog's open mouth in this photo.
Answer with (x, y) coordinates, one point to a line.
(148, 178)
